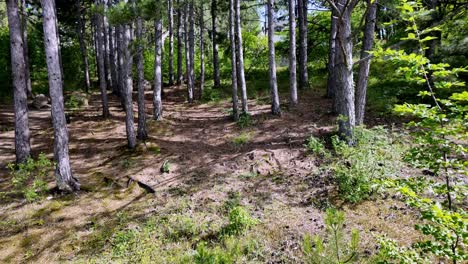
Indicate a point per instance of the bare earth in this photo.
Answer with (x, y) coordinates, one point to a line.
(277, 180)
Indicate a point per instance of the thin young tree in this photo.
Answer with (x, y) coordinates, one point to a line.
(105, 31)
(24, 28)
(180, 43)
(63, 172)
(128, 86)
(22, 134)
(331, 81)
(113, 56)
(292, 54)
(303, 61)
(214, 40)
(191, 52)
(232, 40)
(100, 41)
(240, 56)
(157, 97)
(141, 132)
(364, 64)
(81, 39)
(202, 50)
(275, 104)
(170, 26)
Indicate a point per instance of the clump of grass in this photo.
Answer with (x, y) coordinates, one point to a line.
(245, 120)
(242, 139)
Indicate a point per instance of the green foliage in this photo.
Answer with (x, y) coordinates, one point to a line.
(245, 120)
(337, 249)
(211, 95)
(166, 167)
(239, 222)
(29, 178)
(315, 146)
(242, 139)
(357, 169)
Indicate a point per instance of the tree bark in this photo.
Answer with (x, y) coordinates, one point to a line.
(214, 7)
(191, 44)
(105, 31)
(240, 57)
(22, 134)
(128, 82)
(275, 104)
(141, 133)
(24, 28)
(63, 173)
(121, 63)
(302, 20)
(84, 55)
(101, 63)
(157, 98)
(292, 55)
(202, 51)
(331, 82)
(180, 19)
(235, 104)
(344, 73)
(171, 40)
(364, 65)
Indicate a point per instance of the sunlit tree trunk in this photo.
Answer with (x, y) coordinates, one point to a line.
(180, 19)
(275, 104)
(292, 54)
(101, 63)
(128, 89)
(22, 134)
(232, 40)
(364, 65)
(191, 43)
(170, 10)
(141, 132)
(121, 63)
(202, 50)
(331, 82)
(157, 98)
(214, 32)
(302, 20)
(107, 47)
(240, 57)
(84, 53)
(63, 173)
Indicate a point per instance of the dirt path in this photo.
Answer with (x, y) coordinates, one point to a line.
(206, 162)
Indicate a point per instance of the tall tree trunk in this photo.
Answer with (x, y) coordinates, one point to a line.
(364, 65)
(84, 55)
(214, 35)
(344, 72)
(24, 28)
(101, 63)
(302, 20)
(170, 11)
(107, 46)
(113, 61)
(22, 141)
(240, 57)
(292, 55)
(232, 39)
(63, 173)
(157, 98)
(128, 82)
(331, 82)
(141, 133)
(202, 51)
(180, 19)
(121, 63)
(186, 44)
(191, 43)
(275, 104)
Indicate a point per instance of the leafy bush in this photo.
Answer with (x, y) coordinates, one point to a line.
(239, 221)
(211, 95)
(315, 146)
(358, 168)
(29, 178)
(242, 139)
(245, 120)
(337, 250)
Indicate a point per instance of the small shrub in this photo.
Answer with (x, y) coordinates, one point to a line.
(239, 221)
(245, 120)
(29, 178)
(315, 146)
(166, 167)
(338, 249)
(211, 95)
(233, 201)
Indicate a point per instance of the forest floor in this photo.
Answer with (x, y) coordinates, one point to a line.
(211, 161)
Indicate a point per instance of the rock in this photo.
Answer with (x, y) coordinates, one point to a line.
(41, 101)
